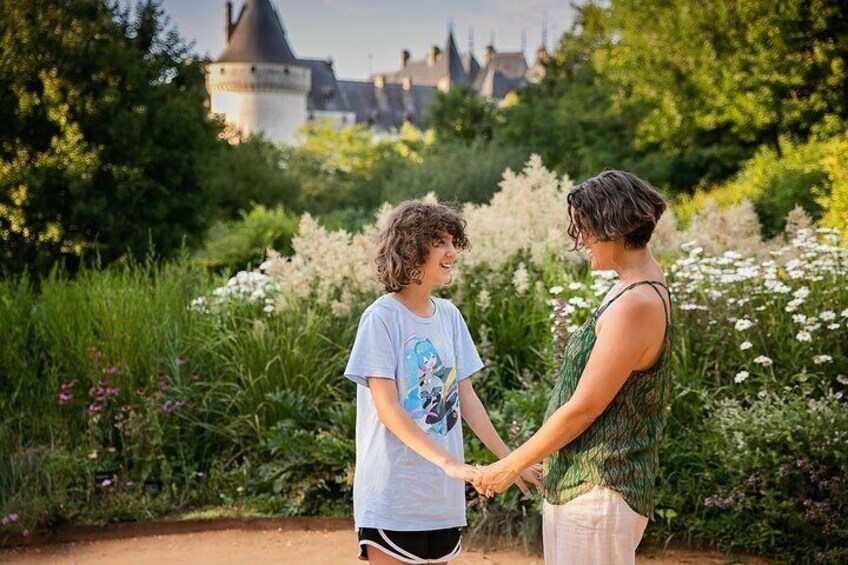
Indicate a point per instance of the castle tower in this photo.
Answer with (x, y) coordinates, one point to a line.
(257, 83)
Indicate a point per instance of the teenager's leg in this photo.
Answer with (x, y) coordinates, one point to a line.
(377, 557)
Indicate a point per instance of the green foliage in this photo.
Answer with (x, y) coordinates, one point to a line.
(103, 134)
(793, 446)
(460, 114)
(337, 168)
(808, 174)
(455, 171)
(235, 244)
(254, 171)
(682, 92)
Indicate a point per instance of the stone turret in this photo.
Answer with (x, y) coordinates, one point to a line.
(257, 83)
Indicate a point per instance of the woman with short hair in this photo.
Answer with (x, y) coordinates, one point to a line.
(609, 403)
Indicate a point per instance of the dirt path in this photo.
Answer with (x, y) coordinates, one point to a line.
(277, 546)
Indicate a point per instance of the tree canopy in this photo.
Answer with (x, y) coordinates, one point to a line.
(103, 133)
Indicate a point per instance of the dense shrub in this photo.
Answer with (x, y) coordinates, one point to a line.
(811, 175)
(234, 244)
(455, 171)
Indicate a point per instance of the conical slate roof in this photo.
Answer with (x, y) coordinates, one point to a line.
(258, 37)
(455, 68)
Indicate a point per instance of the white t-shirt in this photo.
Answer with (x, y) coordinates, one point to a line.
(395, 488)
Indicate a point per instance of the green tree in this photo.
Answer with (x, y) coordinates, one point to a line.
(569, 117)
(255, 171)
(339, 168)
(715, 80)
(461, 114)
(684, 92)
(103, 133)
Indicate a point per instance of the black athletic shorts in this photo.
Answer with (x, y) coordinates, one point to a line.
(433, 546)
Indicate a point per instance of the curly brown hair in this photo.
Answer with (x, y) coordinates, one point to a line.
(615, 205)
(402, 245)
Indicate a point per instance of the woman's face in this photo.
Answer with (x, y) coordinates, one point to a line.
(600, 252)
(438, 265)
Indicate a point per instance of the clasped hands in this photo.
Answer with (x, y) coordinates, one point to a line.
(497, 477)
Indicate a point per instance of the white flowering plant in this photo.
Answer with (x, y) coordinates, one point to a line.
(777, 319)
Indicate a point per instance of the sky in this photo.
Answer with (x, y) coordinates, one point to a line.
(367, 36)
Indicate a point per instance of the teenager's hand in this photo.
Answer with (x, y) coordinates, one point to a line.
(532, 474)
(457, 470)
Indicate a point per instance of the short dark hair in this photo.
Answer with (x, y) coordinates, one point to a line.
(614, 205)
(402, 244)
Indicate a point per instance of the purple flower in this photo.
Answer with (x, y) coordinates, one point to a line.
(140, 391)
(168, 406)
(195, 376)
(65, 397)
(5, 521)
(106, 483)
(110, 370)
(25, 533)
(112, 390)
(181, 360)
(13, 517)
(68, 385)
(126, 408)
(94, 408)
(200, 474)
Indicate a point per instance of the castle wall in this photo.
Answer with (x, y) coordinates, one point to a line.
(261, 97)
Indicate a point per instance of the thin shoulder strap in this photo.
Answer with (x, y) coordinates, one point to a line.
(653, 285)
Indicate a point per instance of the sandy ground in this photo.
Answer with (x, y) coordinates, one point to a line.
(276, 546)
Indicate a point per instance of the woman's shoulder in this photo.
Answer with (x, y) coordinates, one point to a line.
(642, 304)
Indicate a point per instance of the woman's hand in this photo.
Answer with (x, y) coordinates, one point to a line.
(497, 477)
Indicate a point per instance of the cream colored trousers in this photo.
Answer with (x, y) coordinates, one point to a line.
(596, 528)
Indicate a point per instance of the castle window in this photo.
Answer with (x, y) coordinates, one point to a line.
(286, 70)
(253, 68)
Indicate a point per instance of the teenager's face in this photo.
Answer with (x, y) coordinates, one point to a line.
(438, 265)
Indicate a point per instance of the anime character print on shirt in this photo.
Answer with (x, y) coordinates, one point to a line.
(429, 388)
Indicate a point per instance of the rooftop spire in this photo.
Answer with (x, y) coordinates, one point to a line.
(257, 36)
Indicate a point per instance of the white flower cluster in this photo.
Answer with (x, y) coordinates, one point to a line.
(245, 286)
(805, 279)
(527, 217)
(329, 267)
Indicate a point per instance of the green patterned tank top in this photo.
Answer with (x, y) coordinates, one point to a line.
(617, 451)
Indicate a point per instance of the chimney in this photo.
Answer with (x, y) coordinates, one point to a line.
(228, 20)
(404, 58)
(433, 55)
(489, 55)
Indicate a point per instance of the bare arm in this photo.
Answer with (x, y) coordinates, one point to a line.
(395, 418)
(622, 342)
(475, 415)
